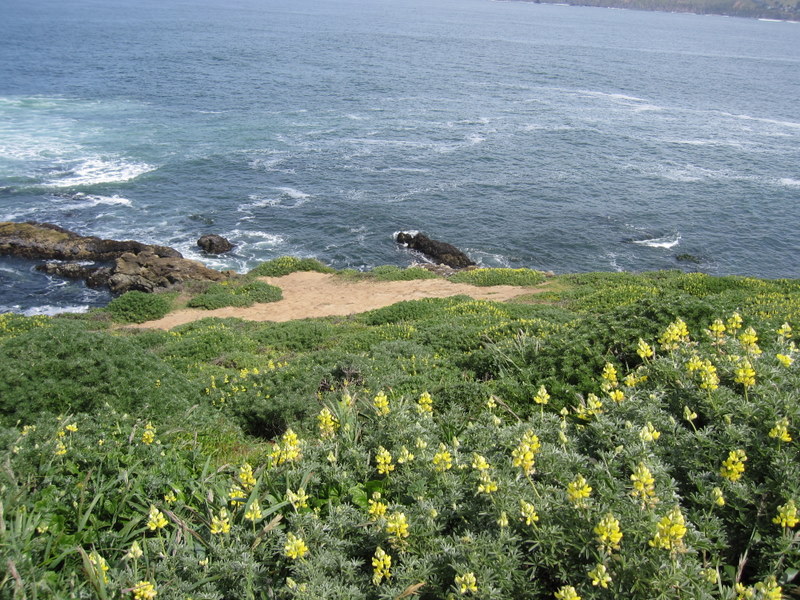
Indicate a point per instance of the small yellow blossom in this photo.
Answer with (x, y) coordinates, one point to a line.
(425, 404)
(644, 350)
(749, 341)
(567, 592)
(709, 380)
(466, 583)
(689, 414)
(295, 547)
(328, 423)
(675, 333)
(297, 499)
(491, 404)
(719, 498)
(221, 522)
(383, 460)
(61, 449)
(644, 485)
(694, 363)
(156, 519)
(144, 590)
(528, 511)
(716, 331)
(377, 509)
(246, 476)
(381, 404)
(785, 359)
(100, 565)
(609, 376)
(135, 552)
(170, 497)
(608, 533)
(769, 589)
(733, 466)
(236, 495)
(149, 434)
(287, 450)
(670, 531)
(784, 332)
(743, 592)
(524, 455)
(442, 460)
(578, 490)
(502, 521)
(710, 575)
(381, 566)
(397, 528)
(541, 397)
(648, 433)
(734, 323)
(404, 456)
(599, 576)
(72, 427)
(781, 430)
(253, 512)
(421, 444)
(787, 515)
(616, 395)
(28, 429)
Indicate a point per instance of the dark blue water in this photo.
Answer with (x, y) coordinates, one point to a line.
(552, 137)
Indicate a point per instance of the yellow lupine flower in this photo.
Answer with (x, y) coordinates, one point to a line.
(743, 592)
(694, 363)
(719, 498)
(608, 533)
(502, 521)
(404, 456)
(617, 395)
(287, 450)
(600, 576)
(381, 404)
(784, 332)
(442, 460)
(670, 531)
(769, 589)
(528, 511)
(135, 552)
(236, 495)
(381, 565)
(578, 490)
(716, 331)
(328, 423)
(733, 466)
(749, 341)
(425, 404)
(644, 485)
(709, 380)
(644, 350)
(100, 565)
(149, 434)
(479, 462)
(648, 433)
(689, 414)
(781, 430)
(787, 515)
(295, 547)
(253, 512)
(377, 509)
(61, 449)
(221, 523)
(466, 583)
(609, 376)
(298, 500)
(785, 359)
(397, 528)
(567, 592)
(541, 397)
(144, 590)
(675, 333)
(246, 476)
(383, 460)
(524, 455)
(156, 519)
(735, 322)
(72, 427)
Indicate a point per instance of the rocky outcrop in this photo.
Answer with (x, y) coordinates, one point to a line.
(214, 244)
(134, 266)
(439, 252)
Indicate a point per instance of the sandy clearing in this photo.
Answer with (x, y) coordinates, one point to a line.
(310, 294)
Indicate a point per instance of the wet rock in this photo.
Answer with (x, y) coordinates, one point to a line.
(149, 272)
(439, 252)
(214, 244)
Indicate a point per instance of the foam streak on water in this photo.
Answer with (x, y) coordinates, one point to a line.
(526, 134)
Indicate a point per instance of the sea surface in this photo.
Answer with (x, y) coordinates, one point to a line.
(529, 135)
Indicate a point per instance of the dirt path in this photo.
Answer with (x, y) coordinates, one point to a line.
(309, 294)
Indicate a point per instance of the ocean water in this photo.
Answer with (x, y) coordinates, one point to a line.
(552, 137)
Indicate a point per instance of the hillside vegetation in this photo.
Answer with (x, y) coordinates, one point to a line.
(618, 436)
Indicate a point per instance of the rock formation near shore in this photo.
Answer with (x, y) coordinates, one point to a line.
(136, 266)
(439, 252)
(214, 244)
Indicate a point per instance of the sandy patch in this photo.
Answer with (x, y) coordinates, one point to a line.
(310, 294)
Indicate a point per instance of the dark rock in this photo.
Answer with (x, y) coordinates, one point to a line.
(214, 244)
(137, 266)
(439, 252)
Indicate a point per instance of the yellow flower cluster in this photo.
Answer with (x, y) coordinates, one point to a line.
(784, 332)
(644, 350)
(466, 583)
(397, 528)
(100, 565)
(287, 450)
(381, 566)
(425, 404)
(567, 592)
(253, 512)
(709, 380)
(719, 498)
(733, 466)
(149, 434)
(649, 433)
(609, 376)
(541, 397)
(578, 490)
(524, 455)
(670, 531)
(327, 422)
(381, 404)
(236, 495)
(295, 547)
(404, 456)
(442, 460)
(592, 406)
(377, 509)
(156, 519)
(135, 552)
(716, 331)
(297, 499)
(144, 590)
(608, 533)
(734, 323)
(486, 485)
(749, 341)
(787, 515)
(599, 576)
(745, 374)
(769, 589)
(221, 522)
(644, 485)
(785, 359)
(528, 511)
(781, 430)
(383, 460)
(246, 476)
(675, 333)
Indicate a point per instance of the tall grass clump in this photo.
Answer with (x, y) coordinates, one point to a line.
(285, 265)
(489, 277)
(138, 307)
(238, 293)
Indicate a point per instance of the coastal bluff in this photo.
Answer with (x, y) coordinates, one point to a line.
(119, 265)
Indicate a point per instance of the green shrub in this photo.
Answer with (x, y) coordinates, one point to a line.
(392, 273)
(285, 265)
(138, 307)
(236, 293)
(488, 277)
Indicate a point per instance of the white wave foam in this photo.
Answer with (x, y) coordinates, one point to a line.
(789, 182)
(50, 310)
(475, 139)
(665, 242)
(293, 193)
(98, 170)
(90, 201)
(790, 124)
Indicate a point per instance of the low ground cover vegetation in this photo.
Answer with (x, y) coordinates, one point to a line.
(620, 436)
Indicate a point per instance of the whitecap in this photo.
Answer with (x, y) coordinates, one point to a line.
(789, 182)
(293, 193)
(98, 170)
(91, 200)
(50, 310)
(665, 242)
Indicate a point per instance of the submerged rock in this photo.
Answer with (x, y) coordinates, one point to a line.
(136, 266)
(214, 244)
(439, 252)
